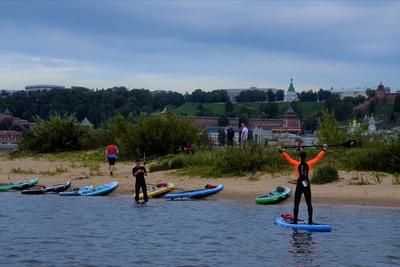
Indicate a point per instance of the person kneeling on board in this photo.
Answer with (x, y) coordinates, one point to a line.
(302, 169)
(139, 172)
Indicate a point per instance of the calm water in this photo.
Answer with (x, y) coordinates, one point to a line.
(112, 231)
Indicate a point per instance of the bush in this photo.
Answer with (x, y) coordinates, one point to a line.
(325, 174)
(329, 131)
(161, 166)
(153, 136)
(377, 155)
(239, 161)
(59, 133)
(225, 162)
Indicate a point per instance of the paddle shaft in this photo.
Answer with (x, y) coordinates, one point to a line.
(350, 143)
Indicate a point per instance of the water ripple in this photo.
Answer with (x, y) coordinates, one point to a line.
(111, 231)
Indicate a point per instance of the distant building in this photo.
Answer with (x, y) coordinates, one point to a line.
(350, 92)
(382, 96)
(10, 137)
(8, 91)
(13, 121)
(12, 132)
(43, 87)
(86, 122)
(233, 93)
(290, 122)
(291, 94)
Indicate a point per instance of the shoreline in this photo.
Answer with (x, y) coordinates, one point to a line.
(346, 191)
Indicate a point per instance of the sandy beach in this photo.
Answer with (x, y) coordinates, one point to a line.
(346, 191)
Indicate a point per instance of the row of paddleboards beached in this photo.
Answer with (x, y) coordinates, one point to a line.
(30, 187)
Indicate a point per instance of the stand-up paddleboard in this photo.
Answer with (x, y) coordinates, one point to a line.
(199, 193)
(278, 195)
(281, 221)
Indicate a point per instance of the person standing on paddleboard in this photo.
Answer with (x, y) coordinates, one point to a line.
(111, 155)
(139, 172)
(302, 169)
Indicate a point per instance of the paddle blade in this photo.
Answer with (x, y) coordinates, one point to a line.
(350, 143)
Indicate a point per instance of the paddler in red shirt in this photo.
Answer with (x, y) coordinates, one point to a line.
(111, 155)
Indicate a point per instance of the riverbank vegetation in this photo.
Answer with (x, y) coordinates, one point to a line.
(161, 138)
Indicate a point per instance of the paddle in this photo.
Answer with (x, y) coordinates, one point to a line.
(348, 144)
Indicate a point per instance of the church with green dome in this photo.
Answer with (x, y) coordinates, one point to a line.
(291, 94)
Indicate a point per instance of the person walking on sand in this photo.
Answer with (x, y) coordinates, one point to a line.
(111, 155)
(244, 135)
(139, 172)
(302, 169)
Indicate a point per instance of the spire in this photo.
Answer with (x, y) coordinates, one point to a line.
(86, 122)
(291, 87)
(290, 110)
(381, 87)
(7, 111)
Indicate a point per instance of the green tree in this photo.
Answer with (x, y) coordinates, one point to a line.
(279, 96)
(370, 92)
(251, 96)
(229, 108)
(59, 133)
(223, 121)
(329, 130)
(5, 124)
(160, 135)
(270, 109)
(396, 107)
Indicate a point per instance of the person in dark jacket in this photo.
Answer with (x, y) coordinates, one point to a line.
(230, 133)
(140, 172)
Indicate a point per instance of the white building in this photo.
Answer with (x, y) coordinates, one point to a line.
(350, 92)
(43, 87)
(86, 122)
(291, 94)
(233, 93)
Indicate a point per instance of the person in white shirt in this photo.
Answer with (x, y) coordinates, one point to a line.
(244, 135)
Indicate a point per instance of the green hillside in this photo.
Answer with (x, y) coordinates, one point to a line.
(189, 109)
(382, 111)
(307, 109)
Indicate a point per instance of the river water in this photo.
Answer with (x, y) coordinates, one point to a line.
(113, 231)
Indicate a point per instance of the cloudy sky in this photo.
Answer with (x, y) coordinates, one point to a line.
(184, 45)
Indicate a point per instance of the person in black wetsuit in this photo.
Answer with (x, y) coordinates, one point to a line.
(302, 169)
(140, 172)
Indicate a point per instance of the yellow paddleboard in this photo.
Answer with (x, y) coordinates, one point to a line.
(157, 190)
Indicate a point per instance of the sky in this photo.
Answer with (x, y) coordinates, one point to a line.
(186, 45)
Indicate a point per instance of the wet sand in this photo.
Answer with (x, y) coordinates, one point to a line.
(346, 191)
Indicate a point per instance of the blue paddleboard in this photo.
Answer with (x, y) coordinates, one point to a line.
(302, 226)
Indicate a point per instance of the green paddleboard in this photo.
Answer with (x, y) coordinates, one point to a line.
(274, 197)
(19, 185)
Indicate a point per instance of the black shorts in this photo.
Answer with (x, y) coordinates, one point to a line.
(111, 161)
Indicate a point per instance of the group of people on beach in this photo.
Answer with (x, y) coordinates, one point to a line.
(302, 168)
(243, 135)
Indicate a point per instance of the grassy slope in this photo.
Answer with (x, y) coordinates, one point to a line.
(381, 111)
(307, 108)
(189, 109)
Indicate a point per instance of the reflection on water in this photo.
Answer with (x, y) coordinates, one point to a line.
(112, 231)
(302, 248)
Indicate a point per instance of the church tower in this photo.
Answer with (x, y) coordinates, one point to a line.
(291, 93)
